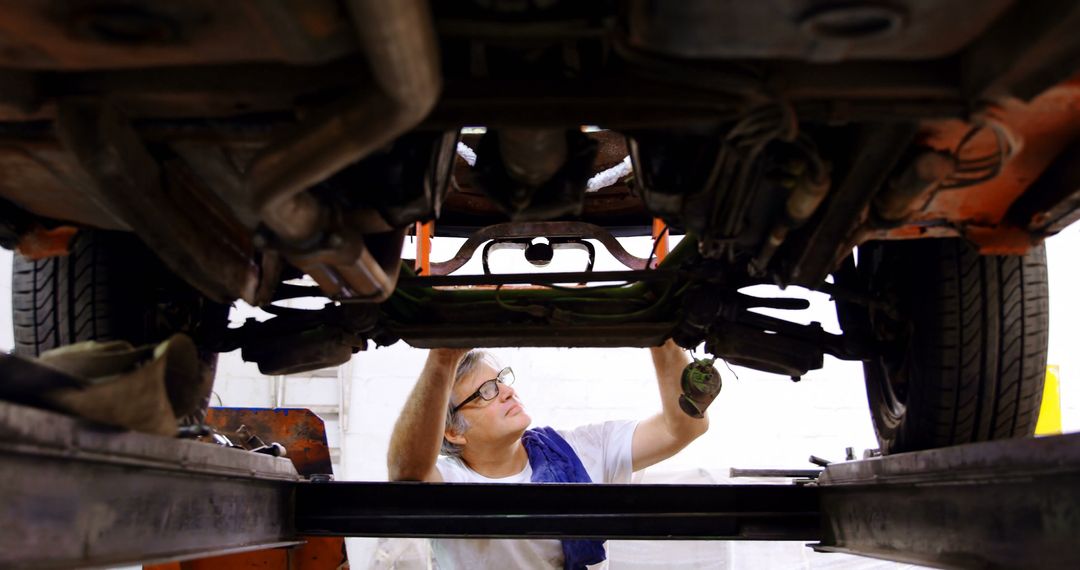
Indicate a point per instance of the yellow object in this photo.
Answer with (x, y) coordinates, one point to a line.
(1050, 410)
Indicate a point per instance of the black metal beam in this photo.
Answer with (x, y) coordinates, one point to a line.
(1004, 504)
(704, 512)
(613, 335)
(77, 495)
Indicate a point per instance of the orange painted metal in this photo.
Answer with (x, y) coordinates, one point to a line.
(1001, 240)
(318, 553)
(1043, 127)
(299, 430)
(273, 559)
(41, 242)
(424, 233)
(304, 436)
(658, 233)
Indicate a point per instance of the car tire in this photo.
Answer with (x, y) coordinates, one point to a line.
(110, 287)
(962, 341)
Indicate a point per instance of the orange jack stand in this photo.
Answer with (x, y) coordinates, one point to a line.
(661, 236)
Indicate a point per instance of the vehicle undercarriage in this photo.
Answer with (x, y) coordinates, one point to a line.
(247, 145)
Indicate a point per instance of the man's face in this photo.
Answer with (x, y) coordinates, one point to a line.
(501, 419)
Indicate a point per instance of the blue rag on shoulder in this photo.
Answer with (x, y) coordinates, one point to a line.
(554, 461)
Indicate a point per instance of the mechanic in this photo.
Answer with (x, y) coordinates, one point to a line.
(464, 407)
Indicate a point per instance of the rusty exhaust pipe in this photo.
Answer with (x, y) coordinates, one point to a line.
(398, 37)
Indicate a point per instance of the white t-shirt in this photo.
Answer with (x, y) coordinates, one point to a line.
(604, 450)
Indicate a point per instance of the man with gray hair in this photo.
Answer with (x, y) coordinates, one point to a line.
(463, 423)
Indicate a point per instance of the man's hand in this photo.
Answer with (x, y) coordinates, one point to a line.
(668, 432)
(418, 433)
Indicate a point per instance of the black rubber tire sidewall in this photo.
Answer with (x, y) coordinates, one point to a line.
(109, 287)
(970, 364)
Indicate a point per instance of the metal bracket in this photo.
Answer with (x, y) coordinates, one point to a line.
(523, 244)
(550, 230)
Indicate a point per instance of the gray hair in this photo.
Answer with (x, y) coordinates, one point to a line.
(455, 422)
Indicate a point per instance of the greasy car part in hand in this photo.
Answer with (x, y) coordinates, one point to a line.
(700, 382)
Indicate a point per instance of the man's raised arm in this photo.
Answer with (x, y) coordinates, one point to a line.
(418, 433)
(668, 432)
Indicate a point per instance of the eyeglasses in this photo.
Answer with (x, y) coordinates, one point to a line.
(490, 388)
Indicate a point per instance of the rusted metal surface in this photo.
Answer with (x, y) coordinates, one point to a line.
(346, 265)
(809, 182)
(879, 148)
(921, 176)
(1002, 239)
(299, 430)
(1000, 504)
(304, 437)
(1045, 126)
(190, 70)
(195, 242)
(72, 35)
(532, 156)
(121, 497)
(406, 83)
(612, 205)
(536, 229)
(40, 243)
(43, 178)
(611, 149)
